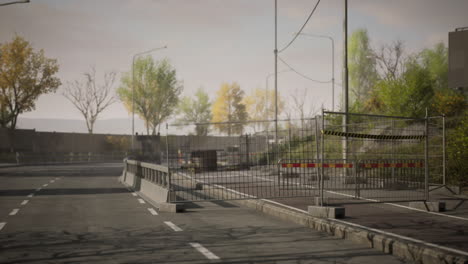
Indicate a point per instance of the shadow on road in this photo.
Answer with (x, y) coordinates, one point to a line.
(63, 191)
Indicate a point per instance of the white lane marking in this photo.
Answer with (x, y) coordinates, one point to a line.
(52, 181)
(134, 194)
(38, 189)
(424, 211)
(57, 178)
(2, 225)
(173, 226)
(24, 202)
(45, 185)
(141, 201)
(14, 211)
(208, 254)
(152, 211)
(30, 195)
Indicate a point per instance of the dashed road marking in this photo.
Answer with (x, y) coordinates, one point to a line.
(24, 202)
(173, 226)
(45, 185)
(141, 201)
(30, 195)
(152, 211)
(14, 211)
(208, 254)
(52, 181)
(134, 194)
(57, 178)
(38, 189)
(2, 225)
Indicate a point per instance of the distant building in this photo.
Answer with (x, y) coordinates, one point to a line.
(458, 59)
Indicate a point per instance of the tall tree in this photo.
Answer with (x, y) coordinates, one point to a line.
(24, 75)
(260, 105)
(156, 91)
(408, 95)
(362, 66)
(391, 60)
(229, 107)
(196, 111)
(436, 61)
(91, 99)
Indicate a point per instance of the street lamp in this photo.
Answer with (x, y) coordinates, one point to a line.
(133, 90)
(333, 62)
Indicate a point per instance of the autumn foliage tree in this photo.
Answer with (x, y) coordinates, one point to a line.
(25, 74)
(260, 105)
(229, 108)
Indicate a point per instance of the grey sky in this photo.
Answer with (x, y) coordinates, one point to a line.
(215, 41)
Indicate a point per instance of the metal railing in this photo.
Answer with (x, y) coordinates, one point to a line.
(157, 174)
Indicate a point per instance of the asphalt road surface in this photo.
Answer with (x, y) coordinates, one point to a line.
(82, 214)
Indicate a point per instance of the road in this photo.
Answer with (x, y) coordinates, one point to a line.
(82, 214)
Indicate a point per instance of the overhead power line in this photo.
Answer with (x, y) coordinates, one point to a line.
(300, 74)
(300, 30)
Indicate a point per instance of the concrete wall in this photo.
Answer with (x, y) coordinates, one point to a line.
(23, 140)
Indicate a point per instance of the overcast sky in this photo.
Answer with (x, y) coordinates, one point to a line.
(215, 41)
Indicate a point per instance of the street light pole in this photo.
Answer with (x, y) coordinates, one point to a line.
(276, 73)
(15, 2)
(333, 62)
(133, 90)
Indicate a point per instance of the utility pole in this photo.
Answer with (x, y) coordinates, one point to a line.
(276, 72)
(345, 79)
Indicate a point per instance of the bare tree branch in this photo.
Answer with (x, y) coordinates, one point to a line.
(91, 99)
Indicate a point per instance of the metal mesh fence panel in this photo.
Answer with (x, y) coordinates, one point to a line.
(229, 163)
(388, 155)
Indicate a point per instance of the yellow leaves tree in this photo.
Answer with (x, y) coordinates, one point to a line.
(229, 109)
(260, 105)
(24, 76)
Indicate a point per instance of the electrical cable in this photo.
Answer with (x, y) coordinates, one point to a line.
(302, 75)
(300, 30)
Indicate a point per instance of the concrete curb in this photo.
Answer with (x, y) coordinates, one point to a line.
(387, 243)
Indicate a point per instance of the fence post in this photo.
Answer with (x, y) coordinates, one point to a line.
(443, 151)
(356, 182)
(426, 159)
(322, 160)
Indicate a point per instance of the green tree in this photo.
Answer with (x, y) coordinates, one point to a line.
(24, 75)
(362, 66)
(408, 95)
(229, 107)
(435, 60)
(196, 110)
(156, 91)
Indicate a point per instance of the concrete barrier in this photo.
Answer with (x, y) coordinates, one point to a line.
(152, 182)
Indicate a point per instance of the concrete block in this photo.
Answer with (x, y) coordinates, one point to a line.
(428, 206)
(326, 211)
(326, 201)
(171, 207)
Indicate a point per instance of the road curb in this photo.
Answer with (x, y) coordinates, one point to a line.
(403, 248)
